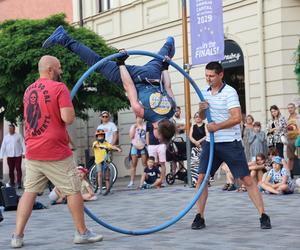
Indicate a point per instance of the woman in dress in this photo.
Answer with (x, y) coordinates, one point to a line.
(276, 130)
(197, 136)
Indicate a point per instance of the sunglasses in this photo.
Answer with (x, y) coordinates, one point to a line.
(104, 116)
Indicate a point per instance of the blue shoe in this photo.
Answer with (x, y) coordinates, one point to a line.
(56, 37)
(171, 43)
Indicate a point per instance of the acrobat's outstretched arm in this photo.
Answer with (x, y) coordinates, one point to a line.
(166, 78)
(129, 87)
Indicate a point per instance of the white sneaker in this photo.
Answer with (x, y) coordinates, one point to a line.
(17, 241)
(130, 185)
(87, 237)
(163, 184)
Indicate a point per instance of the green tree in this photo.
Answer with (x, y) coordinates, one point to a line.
(20, 51)
(297, 68)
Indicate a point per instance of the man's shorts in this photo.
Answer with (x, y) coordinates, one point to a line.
(62, 174)
(232, 153)
(290, 149)
(101, 167)
(158, 152)
(135, 151)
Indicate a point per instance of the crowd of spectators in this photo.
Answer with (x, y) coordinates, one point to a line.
(261, 149)
(267, 150)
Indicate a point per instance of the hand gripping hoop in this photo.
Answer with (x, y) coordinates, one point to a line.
(196, 197)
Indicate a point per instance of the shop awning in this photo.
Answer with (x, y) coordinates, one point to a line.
(233, 55)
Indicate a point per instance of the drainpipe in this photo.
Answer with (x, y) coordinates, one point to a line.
(262, 60)
(80, 14)
(86, 151)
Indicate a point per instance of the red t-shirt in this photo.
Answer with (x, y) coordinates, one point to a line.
(46, 136)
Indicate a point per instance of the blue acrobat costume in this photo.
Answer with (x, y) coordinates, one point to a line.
(147, 78)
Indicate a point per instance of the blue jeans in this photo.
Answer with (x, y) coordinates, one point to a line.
(110, 70)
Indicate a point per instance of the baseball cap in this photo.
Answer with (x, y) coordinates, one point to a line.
(82, 169)
(277, 159)
(104, 112)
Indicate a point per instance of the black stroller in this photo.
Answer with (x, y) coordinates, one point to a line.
(176, 151)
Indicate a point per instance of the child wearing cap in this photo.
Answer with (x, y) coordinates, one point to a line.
(100, 148)
(278, 180)
(86, 189)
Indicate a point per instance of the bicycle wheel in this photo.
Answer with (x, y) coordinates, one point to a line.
(93, 177)
(94, 180)
(113, 172)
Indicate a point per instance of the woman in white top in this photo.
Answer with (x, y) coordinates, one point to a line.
(138, 149)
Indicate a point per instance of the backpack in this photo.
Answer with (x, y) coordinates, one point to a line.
(8, 198)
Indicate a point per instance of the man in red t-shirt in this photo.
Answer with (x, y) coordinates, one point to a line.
(47, 110)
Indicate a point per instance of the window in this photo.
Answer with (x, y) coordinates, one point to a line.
(104, 5)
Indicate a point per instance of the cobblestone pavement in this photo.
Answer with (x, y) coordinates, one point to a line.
(231, 219)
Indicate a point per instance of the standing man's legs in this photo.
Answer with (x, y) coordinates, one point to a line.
(75, 204)
(254, 193)
(64, 176)
(19, 170)
(201, 203)
(11, 162)
(199, 221)
(233, 155)
(24, 211)
(290, 151)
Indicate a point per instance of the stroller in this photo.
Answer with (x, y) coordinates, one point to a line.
(176, 151)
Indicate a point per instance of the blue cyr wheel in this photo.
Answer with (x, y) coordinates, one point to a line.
(196, 197)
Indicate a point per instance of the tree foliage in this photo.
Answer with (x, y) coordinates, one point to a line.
(297, 68)
(20, 51)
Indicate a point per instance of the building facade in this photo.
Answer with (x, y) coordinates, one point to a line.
(261, 37)
(34, 9)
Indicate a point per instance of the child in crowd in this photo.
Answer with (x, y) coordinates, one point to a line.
(86, 189)
(56, 197)
(150, 178)
(272, 152)
(101, 147)
(258, 168)
(257, 140)
(278, 180)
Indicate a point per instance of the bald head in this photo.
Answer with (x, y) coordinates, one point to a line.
(47, 62)
(49, 67)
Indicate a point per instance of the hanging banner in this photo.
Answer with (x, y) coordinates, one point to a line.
(207, 34)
